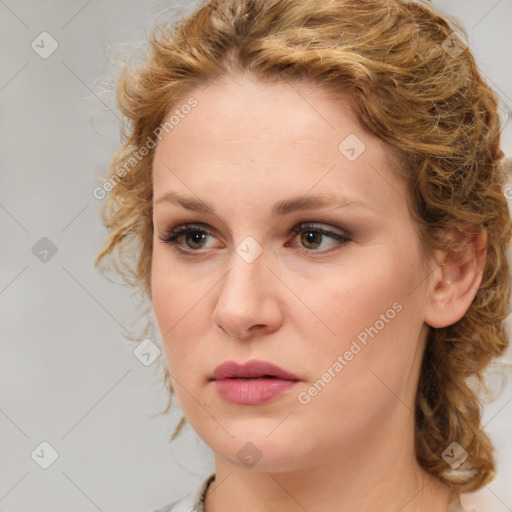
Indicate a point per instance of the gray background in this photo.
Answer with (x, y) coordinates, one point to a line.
(68, 376)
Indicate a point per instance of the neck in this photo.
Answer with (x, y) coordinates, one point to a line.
(379, 471)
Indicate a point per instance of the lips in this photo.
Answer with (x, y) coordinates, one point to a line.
(251, 370)
(253, 383)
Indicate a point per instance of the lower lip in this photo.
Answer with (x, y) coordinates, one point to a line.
(252, 391)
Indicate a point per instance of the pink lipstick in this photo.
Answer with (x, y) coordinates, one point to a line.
(253, 383)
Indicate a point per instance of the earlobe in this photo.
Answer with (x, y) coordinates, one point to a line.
(455, 282)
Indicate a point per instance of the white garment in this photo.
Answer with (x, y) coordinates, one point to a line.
(191, 502)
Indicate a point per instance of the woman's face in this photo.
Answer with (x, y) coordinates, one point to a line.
(332, 293)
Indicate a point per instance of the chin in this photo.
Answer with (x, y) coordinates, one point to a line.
(254, 449)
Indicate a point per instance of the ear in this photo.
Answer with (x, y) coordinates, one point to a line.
(454, 284)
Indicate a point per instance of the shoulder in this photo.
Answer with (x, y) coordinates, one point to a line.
(191, 502)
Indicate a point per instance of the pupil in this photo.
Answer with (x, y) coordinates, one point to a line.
(196, 237)
(310, 237)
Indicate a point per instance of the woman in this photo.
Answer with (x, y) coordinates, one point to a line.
(315, 194)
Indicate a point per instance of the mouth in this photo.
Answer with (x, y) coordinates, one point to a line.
(251, 370)
(254, 378)
(252, 390)
(253, 383)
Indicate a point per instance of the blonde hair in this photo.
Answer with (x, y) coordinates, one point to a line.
(431, 106)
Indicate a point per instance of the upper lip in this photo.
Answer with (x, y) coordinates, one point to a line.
(253, 368)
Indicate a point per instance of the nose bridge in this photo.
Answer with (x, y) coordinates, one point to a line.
(245, 297)
(243, 281)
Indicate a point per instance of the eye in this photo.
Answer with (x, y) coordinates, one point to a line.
(195, 236)
(312, 236)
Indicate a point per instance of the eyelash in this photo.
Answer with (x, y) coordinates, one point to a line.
(173, 234)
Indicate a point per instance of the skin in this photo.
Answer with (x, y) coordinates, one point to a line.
(300, 304)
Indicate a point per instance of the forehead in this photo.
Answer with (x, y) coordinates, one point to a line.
(264, 139)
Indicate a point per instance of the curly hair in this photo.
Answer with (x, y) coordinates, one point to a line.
(413, 83)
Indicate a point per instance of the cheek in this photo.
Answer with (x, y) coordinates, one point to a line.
(354, 294)
(183, 309)
(379, 322)
(368, 316)
(171, 293)
(177, 310)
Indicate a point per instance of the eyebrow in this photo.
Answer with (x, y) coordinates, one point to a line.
(281, 208)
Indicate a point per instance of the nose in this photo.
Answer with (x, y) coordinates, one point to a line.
(248, 303)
